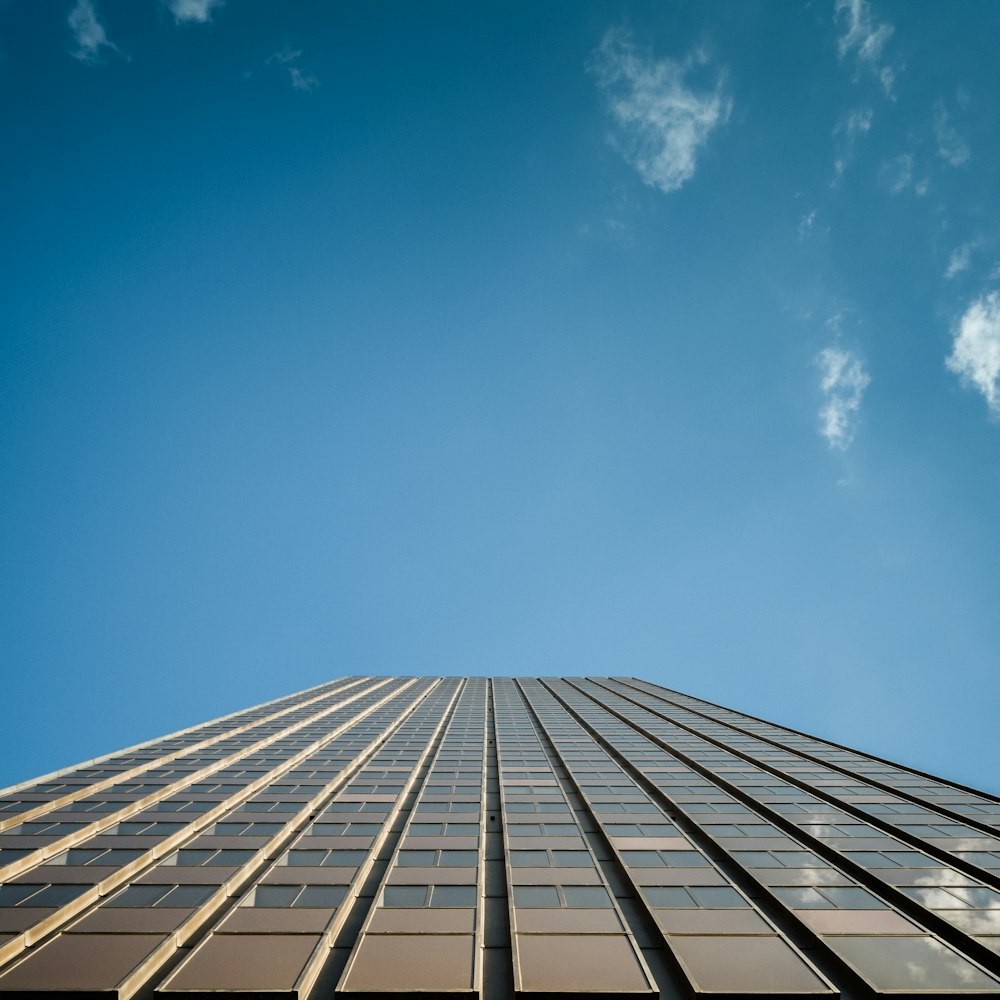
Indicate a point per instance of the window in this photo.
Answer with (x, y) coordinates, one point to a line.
(709, 897)
(543, 830)
(828, 897)
(45, 829)
(438, 896)
(313, 897)
(588, 897)
(353, 807)
(669, 859)
(749, 830)
(145, 829)
(344, 829)
(265, 807)
(210, 858)
(641, 830)
(444, 830)
(777, 859)
(41, 895)
(448, 807)
(180, 896)
(79, 856)
(183, 806)
(246, 829)
(94, 807)
(440, 859)
(325, 859)
(540, 807)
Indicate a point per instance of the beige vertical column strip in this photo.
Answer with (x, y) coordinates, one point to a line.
(55, 920)
(483, 832)
(139, 770)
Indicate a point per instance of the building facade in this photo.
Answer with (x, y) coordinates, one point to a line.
(497, 836)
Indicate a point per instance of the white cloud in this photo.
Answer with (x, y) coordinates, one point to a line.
(89, 34)
(960, 259)
(289, 60)
(843, 382)
(853, 126)
(864, 38)
(952, 148)
(975, 353)
(302, 81)
(192, 11)
(902, 167)
(661, 123)
(806, 224)
(899, 175)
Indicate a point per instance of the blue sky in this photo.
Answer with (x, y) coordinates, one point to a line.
(578, 337)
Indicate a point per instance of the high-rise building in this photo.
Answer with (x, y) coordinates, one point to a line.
(475, 836)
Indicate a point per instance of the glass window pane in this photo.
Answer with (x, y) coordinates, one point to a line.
(459, 859)
(685, 859)
(187, 895)
(415, 859)
(118, 856)
(572, 859)
(345, 859)
(538, 896)
(408, 896)
(321, 897)
(139, 895)
(802, 898)
(668, 897)
(231, 858)
(454, 895)
(275, 895)
(529, 859)
(851, 898)
(193, 859)
(586, 896)
(11, 895)
(717, 896)
(310, 859)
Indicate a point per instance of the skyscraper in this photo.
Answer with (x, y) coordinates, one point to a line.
(474, 836)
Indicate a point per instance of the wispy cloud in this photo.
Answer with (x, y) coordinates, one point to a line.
(975, 353)
(960, 259)
(863, 38)
(661, 122)
(806, 224)
(899, 175)
(843, 381)
(951, 147)
(853, 126)
(192, 11)
(288, 59)
(90, 37)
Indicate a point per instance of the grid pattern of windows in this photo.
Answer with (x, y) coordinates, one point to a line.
(495, 837)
